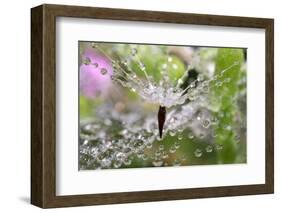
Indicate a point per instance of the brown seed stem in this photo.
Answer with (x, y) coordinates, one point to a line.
(161, 119)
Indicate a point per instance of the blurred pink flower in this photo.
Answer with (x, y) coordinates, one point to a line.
(95, 72)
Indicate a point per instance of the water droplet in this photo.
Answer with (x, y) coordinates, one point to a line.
(172, 132)
(94, 45)
(209, 148)
(193, 84)
(87, 61)
(206, 123)
(127, 161)
(214, 134)
(176, 162)
(218, 84)
(201, 135)
(180, 129)
(149, 145)
(172, 149)
(140, 153)
(85, 142)
(164, 155)
(157, 153)
(161, 147)
(177, 145)
(198, 153)
(180, 81)
(125, 62)
(134, 51)
(200, 77)
(103, 71)
(158, 137)
(227, 127)
(144, 156)
(205, 87)
(133, 75)
(157, 163)
(105, 162)
(237, 138)
(227, 80)
(142, 66)
(180, 136)
(190, 136)
(214, 120)
(219, 146)
(117, 164)
(120, 156)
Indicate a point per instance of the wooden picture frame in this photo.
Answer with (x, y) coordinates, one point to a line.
(43, 105)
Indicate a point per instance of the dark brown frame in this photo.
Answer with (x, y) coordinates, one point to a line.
(43, 105)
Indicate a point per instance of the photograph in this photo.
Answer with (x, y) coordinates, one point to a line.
(161, 105)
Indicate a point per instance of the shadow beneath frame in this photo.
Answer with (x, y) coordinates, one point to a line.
(25, 200)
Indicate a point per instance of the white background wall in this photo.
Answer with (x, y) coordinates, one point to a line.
(15, 105)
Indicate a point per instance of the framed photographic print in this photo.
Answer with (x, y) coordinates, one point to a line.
(136, 106)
